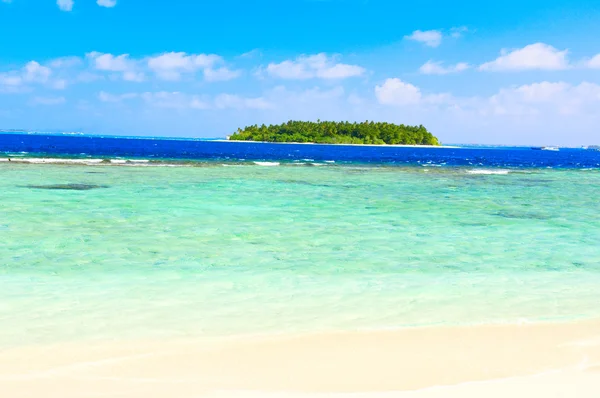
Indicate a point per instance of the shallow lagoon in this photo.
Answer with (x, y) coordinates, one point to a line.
(244, 249)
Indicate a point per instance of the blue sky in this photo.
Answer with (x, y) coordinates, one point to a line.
(510, 72)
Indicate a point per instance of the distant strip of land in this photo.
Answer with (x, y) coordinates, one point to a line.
(318, 143)
(365, 133)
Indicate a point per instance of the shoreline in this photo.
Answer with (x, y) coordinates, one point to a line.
(359, 145)
(419, 362)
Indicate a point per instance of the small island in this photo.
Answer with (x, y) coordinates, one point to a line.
(371, 133)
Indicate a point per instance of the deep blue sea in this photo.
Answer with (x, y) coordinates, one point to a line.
(207, 150)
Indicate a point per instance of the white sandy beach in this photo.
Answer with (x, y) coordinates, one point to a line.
(542, 360)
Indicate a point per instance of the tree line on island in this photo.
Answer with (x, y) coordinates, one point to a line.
(377, 133)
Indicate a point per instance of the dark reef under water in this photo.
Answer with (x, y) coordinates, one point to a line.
(68, 187)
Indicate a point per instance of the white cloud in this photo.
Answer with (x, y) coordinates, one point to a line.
(31, 74)
(542, 98)
(437, 68)
(11, 83)
(431, 38)
(534, 56)
(48, 100)
(64, 62)
(107, 3)
(537, 100)
(221, 74)
(123, 64)
(7, 79)
(289, 70)
(34, 72)
(170, 66)
(546, 98)
(540, 92)
(593, 63)
(65, 5)
(314, 66)
(109, 62)
(396, 92)
(341, 71)
(132, 76)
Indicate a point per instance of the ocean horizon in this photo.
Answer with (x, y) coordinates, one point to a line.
(224, 138)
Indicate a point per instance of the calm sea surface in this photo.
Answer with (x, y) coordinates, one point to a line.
(210, 239)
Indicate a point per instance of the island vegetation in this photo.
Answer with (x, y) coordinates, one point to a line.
(376, 133)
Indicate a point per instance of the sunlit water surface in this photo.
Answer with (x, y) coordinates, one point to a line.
(146, 252)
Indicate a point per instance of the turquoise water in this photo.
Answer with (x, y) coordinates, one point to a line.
(214, 250)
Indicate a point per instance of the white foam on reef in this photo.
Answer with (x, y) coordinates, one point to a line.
(330, 161)
(488, 172)
(162, 165)
(267, 163)
(154, 165)
(128, 161)
(52, 160)
(94, 162)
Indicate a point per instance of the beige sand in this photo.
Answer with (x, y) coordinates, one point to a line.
(545, 360)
